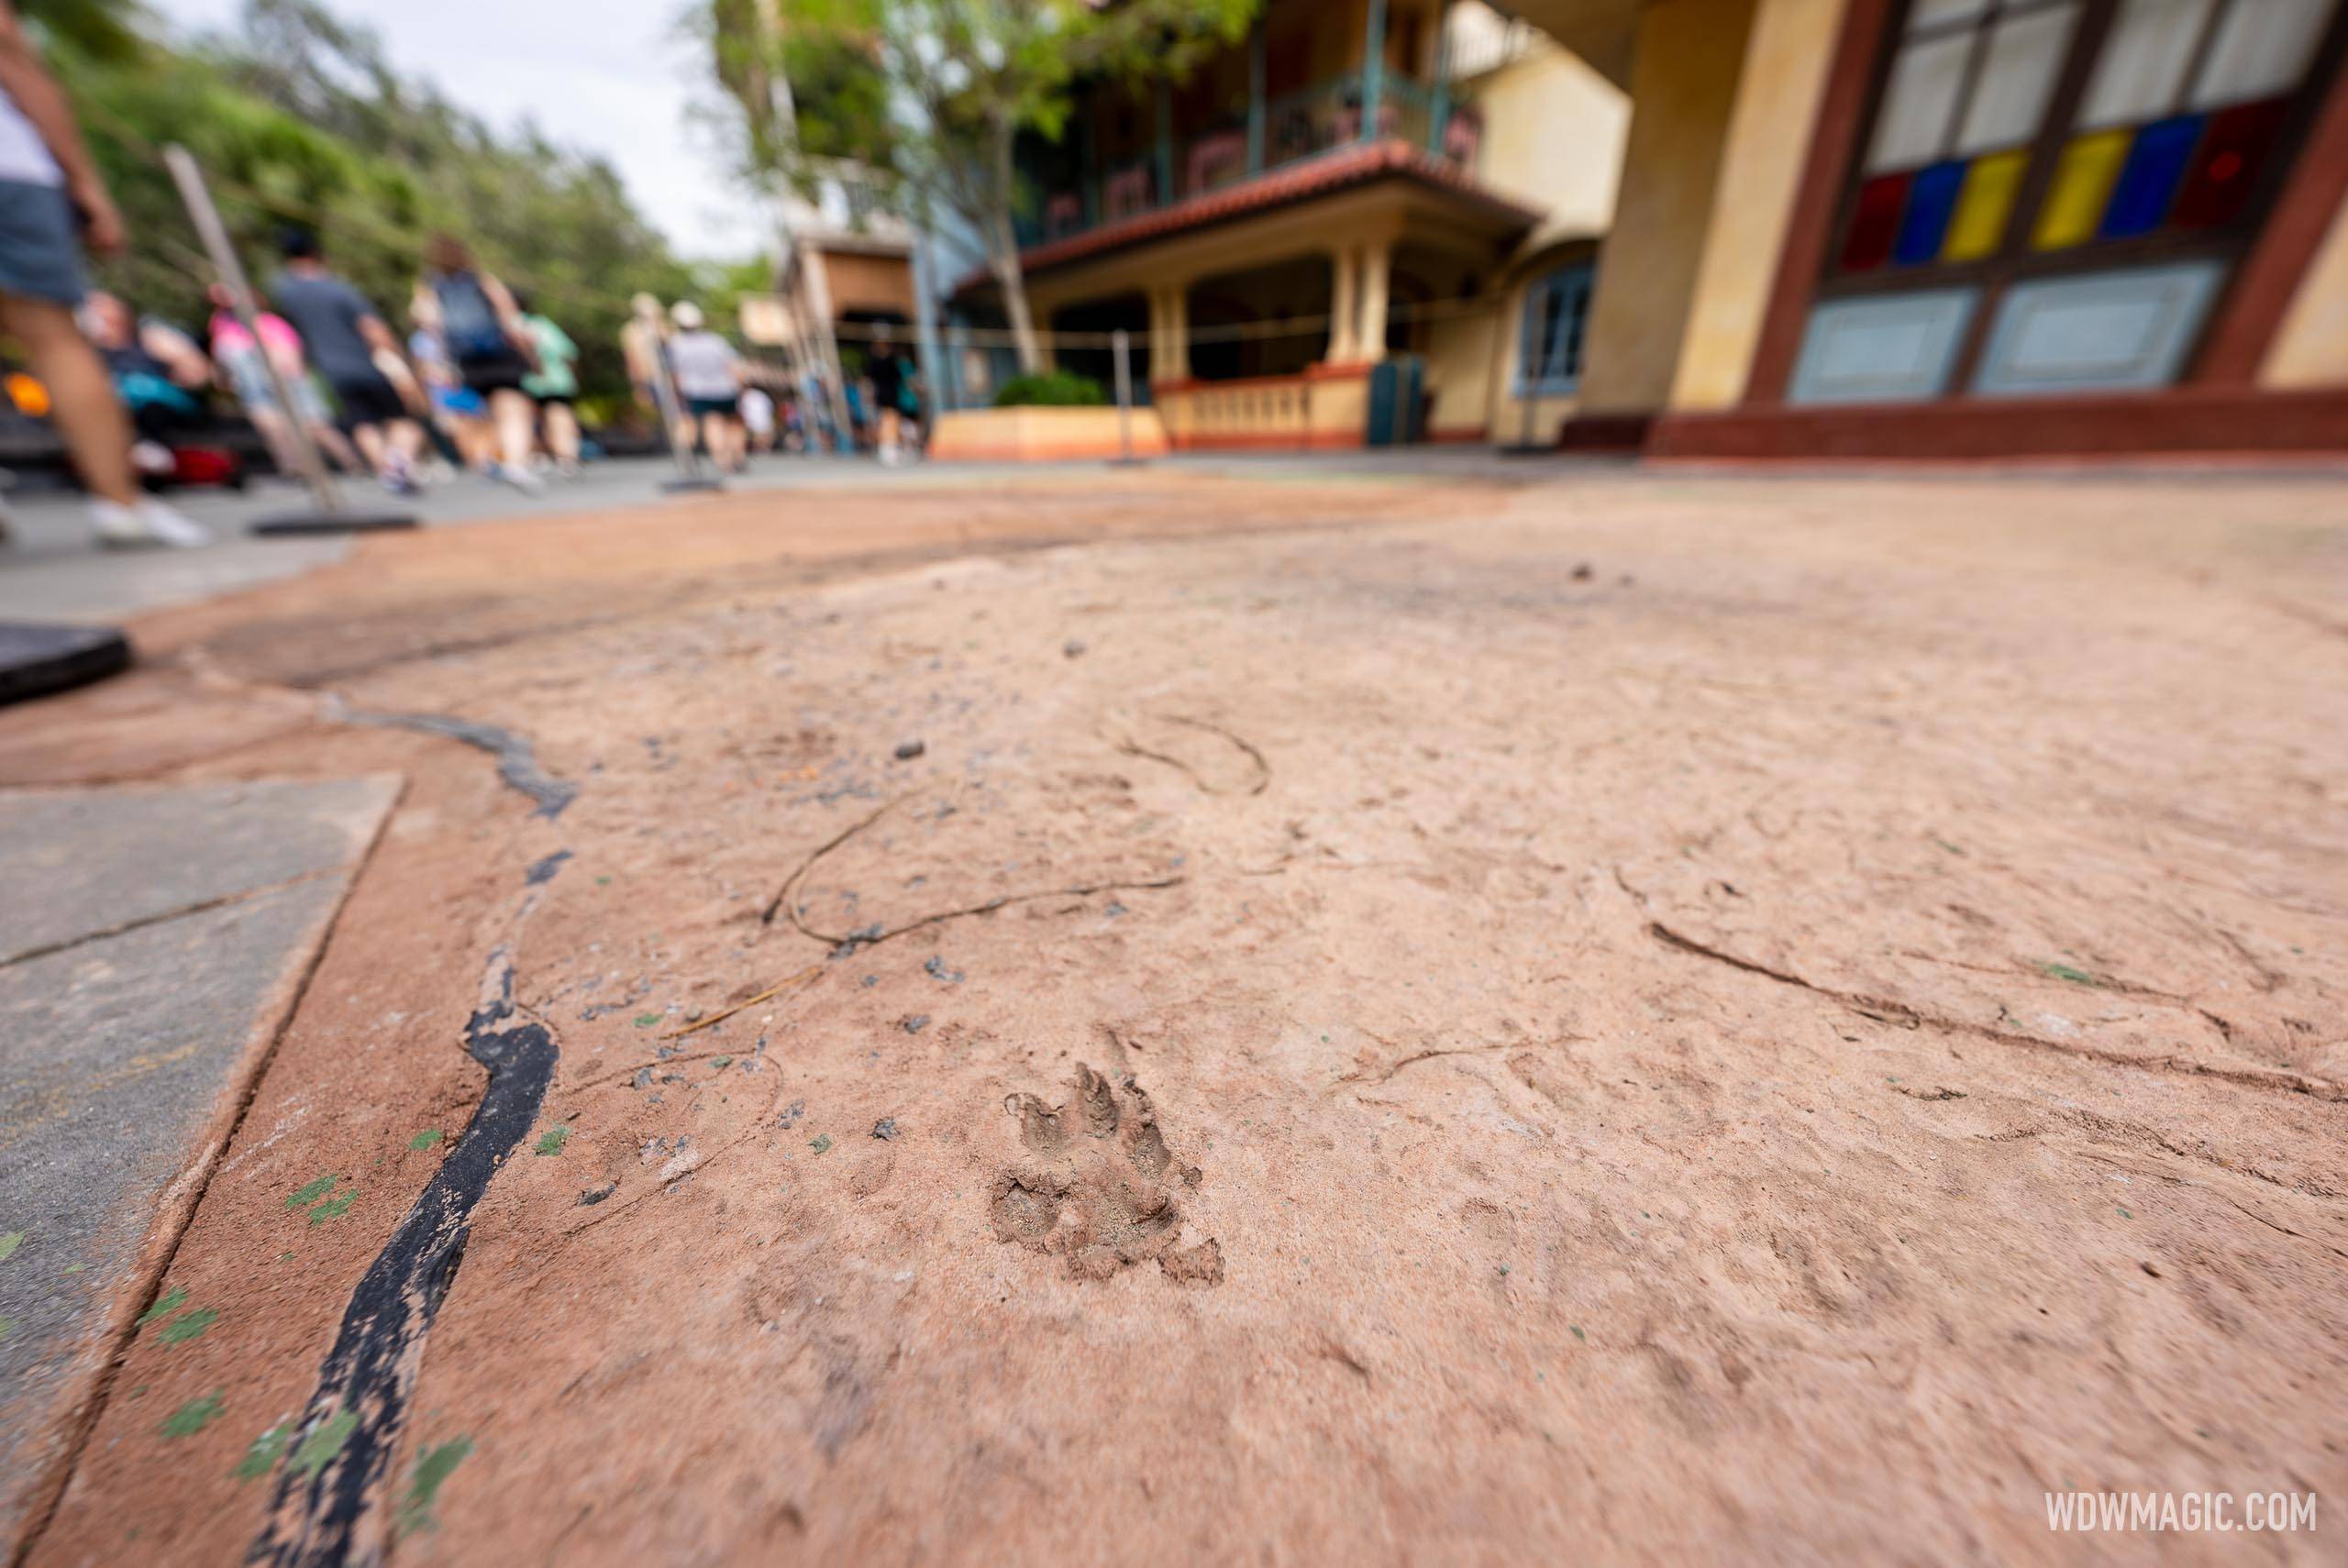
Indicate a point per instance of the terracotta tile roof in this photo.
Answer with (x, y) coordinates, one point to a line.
(1296, 181)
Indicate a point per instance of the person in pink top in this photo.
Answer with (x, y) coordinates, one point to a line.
(246, 374)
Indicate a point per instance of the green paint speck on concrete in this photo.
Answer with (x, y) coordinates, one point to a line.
(432, 1472)
(2065, 972)
(426, 1139)
(820, 1143)
(193, 1417)
(310, 1191)
(6, 1325)
(646, 1020)
(336, 1207)
(167, 1303)
(189, 1325)
(266, 1450)
(1578, 1333)
(721, 1062)
(11, 1242)
(551, 1141)
(73, 1268)
(316, 1450)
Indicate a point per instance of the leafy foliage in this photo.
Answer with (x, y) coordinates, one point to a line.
(1054, 389)
(298, 119)
(930, 96)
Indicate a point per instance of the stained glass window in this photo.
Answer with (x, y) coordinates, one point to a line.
(2110, 141)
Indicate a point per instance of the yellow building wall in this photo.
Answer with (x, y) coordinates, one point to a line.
(1459, 350)
(2310, 346)
(1786, 62)
(1553, 132)
(1683, 90)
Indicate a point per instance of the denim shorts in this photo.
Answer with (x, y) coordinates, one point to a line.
(40, 243)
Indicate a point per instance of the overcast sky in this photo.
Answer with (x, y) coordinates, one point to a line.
(607, 76)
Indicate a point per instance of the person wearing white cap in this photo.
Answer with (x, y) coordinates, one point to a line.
(708, 375)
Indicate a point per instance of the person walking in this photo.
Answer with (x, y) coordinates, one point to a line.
(245, 366)
(757, 418)
(708, 374)
(159, 374)
(887, 374)
(52, 200)
(554, 387)
(345, 334)
(473, 316)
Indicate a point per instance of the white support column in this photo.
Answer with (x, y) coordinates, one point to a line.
(1341, 307)
(1375, 258)
(1179, 307)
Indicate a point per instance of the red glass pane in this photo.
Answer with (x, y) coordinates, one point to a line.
(2233, 150)
(1875, 223)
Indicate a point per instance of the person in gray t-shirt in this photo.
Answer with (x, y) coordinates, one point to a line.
(349, 343)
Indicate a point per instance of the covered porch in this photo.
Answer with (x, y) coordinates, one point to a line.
(1263, 327)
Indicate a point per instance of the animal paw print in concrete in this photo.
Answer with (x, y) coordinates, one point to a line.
(1098, 1192)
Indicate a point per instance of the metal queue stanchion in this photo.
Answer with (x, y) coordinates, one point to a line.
(689, 475)
(329, 515)
(1121, 345)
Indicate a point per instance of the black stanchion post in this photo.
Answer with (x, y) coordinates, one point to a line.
(1121, 345)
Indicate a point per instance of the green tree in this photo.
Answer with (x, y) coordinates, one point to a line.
(931, 96)
(298, 119)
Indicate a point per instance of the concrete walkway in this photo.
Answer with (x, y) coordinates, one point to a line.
(152, 941)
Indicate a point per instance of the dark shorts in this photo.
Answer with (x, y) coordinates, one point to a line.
(40, 243)
(494, 373)
(703, 407)
(368, 400)
(556, 399)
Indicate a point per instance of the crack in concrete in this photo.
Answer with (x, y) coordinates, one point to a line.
(517, 761)
(1901, 1013)
(201, 906)
(335, 1511)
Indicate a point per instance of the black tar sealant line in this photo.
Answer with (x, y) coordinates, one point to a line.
(336, 1512)
(517, 762)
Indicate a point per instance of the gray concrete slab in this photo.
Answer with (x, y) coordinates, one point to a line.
(168, 931)
(77, 862)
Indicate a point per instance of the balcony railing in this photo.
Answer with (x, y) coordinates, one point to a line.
(1295, 126)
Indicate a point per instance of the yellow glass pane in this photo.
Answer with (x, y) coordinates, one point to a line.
(1982, 206)
(2083, 182)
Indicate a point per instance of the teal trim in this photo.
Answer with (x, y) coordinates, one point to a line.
(1549, 336)
(1256, 97)
(1373, 70)
(1439, 108)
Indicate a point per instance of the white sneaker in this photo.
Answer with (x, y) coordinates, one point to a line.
(520, 479)
(147, 524)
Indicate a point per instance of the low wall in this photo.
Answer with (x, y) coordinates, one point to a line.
(1042, 434)
(1326, 408)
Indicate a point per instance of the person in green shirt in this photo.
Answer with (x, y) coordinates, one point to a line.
(555, 385)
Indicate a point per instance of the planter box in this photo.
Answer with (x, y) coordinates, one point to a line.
(1041, 434)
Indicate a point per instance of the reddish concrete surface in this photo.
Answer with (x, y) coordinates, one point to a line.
(1625, 1020)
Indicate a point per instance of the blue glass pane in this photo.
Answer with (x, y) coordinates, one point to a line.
(2148, 179)
(1929, 202)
